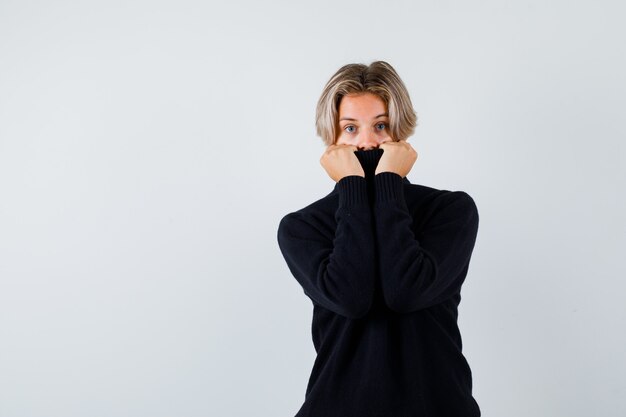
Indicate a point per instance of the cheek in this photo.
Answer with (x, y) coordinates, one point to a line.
(343, 140)
(386, 134)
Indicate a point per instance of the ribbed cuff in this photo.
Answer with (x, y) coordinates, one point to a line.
(352, 191)
(388, 187)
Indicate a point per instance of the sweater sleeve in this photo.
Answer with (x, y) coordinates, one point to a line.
(335, 268)
(419, 273)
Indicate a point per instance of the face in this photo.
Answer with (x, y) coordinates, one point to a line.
(363, 121)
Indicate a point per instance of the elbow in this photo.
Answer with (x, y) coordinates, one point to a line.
(401, 304)
(406, 304)
(358, 309)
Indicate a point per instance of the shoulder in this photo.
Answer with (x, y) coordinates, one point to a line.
(434, 200)
(320, 215)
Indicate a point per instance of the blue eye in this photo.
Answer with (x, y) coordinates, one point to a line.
(353, 127)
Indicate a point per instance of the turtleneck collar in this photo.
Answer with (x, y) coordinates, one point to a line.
(369, 161)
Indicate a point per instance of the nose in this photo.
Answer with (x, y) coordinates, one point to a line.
(368, 141)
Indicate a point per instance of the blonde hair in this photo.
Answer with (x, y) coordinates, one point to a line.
(378, 78)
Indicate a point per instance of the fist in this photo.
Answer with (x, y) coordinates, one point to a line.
(398, 157)
(340, 161)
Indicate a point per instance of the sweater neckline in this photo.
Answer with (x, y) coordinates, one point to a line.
(369, 161)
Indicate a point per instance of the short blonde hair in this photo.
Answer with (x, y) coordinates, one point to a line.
(378, 78)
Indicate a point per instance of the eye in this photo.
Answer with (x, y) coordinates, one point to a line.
(348, 126)
(384, 124)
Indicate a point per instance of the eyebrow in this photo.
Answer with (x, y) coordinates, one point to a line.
(354, 120)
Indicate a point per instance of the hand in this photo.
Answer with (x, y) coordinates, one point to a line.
(398, 157)
(340, 161)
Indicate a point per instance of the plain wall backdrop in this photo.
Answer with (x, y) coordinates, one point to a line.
(148, 151)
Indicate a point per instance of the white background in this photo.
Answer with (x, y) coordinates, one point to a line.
(149, 149)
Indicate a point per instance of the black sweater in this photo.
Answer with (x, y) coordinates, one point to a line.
(383, 261)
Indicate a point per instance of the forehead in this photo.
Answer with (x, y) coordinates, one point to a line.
(361, 105)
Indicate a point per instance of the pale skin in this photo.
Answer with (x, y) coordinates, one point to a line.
(367, 128)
